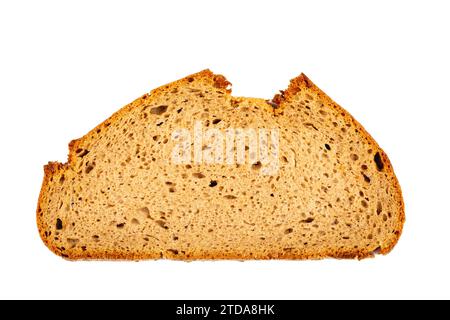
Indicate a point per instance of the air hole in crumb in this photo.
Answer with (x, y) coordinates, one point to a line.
(288, 231)
(257, 165)
(162, 224)
(159, 110)
(379, 208)
(83, 153)
(327, 146)
(89, 168)
(198, 175)
(366, 178)
(230, 197)
(309, 220)
(284, 159)
(179, 110)
(354, 157)
(172, 190)
(120, 225)
(364, 167)
(59, 224)
(155, 138)
(173, 251)
(378, 161)
(311, 126)
(135, 221)
(216, 121)
(212, 183)
(364, 203)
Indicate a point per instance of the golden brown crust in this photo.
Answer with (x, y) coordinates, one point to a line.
(219, 82)
(210, 257)
(49, 170)
(193, 256)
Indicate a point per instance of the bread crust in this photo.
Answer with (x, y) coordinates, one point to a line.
(55, 169)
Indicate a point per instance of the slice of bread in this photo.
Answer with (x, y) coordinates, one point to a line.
(122, 195)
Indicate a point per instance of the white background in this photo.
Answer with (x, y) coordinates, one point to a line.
(66, 66)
